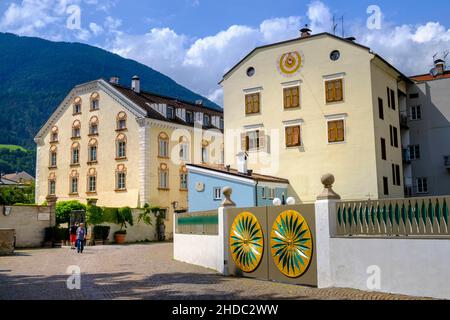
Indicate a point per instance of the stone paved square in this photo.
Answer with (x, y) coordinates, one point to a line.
(135, 272)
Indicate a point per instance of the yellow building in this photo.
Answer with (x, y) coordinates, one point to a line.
(314, 105)
(124, 147)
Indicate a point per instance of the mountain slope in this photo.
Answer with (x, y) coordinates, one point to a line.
(36, 75)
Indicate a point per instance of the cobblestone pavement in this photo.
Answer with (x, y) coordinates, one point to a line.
(141, 272)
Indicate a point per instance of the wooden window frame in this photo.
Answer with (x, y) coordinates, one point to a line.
(260, 139)
(95, 97)
(337, 141)
(51, 190)
(417, 112)
(163, 138)
(163, 169)
(75, 147)
(72, 191)
(332, 97)
(422, 182)
(185, 176)
(288, 97)
(292, 143)
(121, 138)
(252, 106)
(121, 116)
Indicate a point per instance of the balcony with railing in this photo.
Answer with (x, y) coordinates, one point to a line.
(406, 155)
(404, 121)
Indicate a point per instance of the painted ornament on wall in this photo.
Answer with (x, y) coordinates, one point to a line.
(246, 242)
(289, 64)
(291, 244)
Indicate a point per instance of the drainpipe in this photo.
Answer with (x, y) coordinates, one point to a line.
(256, 193)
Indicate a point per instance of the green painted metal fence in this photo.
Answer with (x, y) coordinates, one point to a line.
(198, 223)
(415, 217)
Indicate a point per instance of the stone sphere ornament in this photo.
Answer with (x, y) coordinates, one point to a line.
(290, 201)
(277, 202)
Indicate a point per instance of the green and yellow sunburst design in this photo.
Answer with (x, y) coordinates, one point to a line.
(246, 242)
(291, 244)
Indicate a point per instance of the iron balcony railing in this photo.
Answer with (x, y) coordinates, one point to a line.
(406, 155)
(415, 217)
(404, 121)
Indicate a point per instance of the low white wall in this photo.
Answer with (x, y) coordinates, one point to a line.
(411, 267)
(137, 232)
(199, 250)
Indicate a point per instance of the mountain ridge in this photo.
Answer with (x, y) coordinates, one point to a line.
(37, 74)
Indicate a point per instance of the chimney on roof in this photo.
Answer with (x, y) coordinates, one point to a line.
(352, 39)
(305, 32)
(136, 84)
(242, 159)
(114, 80)
(439, 66)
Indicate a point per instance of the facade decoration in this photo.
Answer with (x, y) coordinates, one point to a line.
(291, 244)
(290, 63)
(246, 242)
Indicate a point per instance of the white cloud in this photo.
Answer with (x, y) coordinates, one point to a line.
(95, 28)
(320, 17)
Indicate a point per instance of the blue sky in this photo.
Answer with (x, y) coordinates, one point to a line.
(196, 41)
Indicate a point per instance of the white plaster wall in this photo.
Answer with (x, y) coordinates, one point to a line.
(411, 267)
(199, 250)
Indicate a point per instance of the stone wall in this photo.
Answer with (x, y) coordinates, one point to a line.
(6, 242)
(29, 222)
(139, 231)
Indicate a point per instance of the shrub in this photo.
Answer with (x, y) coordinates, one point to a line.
(110, 215)
(94, 215)
(124, 217)
(64, 208)
(101, 232)
(55, 234)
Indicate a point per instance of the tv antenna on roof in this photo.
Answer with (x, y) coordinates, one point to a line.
(336, 24)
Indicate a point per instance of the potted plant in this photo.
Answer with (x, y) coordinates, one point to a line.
(124, 217)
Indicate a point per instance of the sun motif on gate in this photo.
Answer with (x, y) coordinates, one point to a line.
(290, 63)
(291, 244)
(246, 242)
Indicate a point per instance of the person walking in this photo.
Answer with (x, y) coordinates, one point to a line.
(73, 236)
(81, 237)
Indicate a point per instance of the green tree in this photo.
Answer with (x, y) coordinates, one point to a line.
(64, 208)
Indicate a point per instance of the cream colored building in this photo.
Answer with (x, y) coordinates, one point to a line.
(314, 105)
(124, 147)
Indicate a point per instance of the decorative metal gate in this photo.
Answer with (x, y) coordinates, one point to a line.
(273, 243)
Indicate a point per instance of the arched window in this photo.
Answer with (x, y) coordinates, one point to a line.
(121, 121)
(121, 147)
(92, 181)
(76, 129)
(93, 126)
(75, 154)
(163, 145)
(121, 178)
(93, 151)
(183, 179)
(205, 151)
(53, 157)
(184, 148)
(95, 101)
(73, 182)
(54, 135)
(52, 184)
(163, 177)
(77, 106)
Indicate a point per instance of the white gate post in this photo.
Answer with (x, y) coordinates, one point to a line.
(223, 243)
(325, 208)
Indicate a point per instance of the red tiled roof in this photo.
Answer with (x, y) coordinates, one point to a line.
(234, 172)
(429, 77)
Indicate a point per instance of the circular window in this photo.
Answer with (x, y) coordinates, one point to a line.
(335, 55)
(251, 72)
